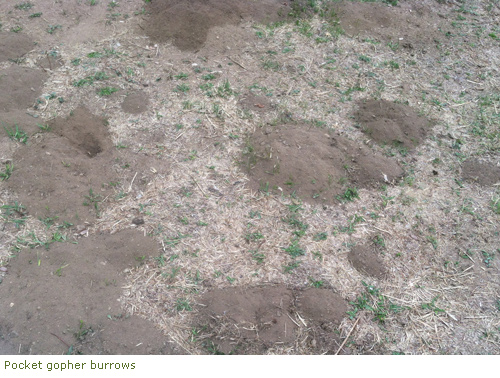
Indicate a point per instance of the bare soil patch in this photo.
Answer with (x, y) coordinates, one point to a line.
(255, 103)
(19, 87)
(67, 295)
(407, 25)
(315, 163)
(482, 173)
(366, 260)
(14, 45)
(392, 124)
(254, 320)
(135, 103)
(187, 23)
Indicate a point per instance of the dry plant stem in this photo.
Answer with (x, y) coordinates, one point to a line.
(348, 335)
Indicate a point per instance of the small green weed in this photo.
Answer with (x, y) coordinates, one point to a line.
(432, 306)
(17, 134)
(184, 88)
(24, 6)
(183, 305)
(51, 29)
(7, 172)
(349, 195)
(93, 200)
(294, 249)
(107, 91)
(291, 266)
(372, 300)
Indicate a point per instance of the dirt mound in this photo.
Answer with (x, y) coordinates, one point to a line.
(313, 162)
(262, 317)
(53, 178)
(14, 46)
(322, 306)
(67, 296)
(482, 173)
(392, 124)
(187, 23)
(19, 87)
(84, 130)
(135, 103)
(407, 25)
(366, 261)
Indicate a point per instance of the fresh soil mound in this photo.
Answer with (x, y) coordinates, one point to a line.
(407, 25)
(53, 177)
(322, 306)
(135, 103)
(365, 260)
(392, 124)
(84, 130)
(68, 173)
(315, 163)
(186, 23)
(67, 296)
(258, 318)
(19, 87)
(14, 45)
(482, 173)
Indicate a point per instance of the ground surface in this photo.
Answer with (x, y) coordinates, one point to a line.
(249, 177)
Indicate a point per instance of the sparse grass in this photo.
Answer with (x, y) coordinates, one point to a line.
(107, 91)
(349, 195)
(17, 134)
(51, 29)
(24, 6)
(7, 171)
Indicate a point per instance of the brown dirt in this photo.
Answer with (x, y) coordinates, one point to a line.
(408, 25)
(392, 124)
(84, 131)
(14, 45)
(255, 103)
(135, 103)
(54, 173)
(314, 162)
(253, 320)
(48, 293)
(482, 173)
(26, 122)
(19, 87)
(187, 23)
(366, 261)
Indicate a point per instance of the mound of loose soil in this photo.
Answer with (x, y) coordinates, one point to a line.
(366, 261)
(322, 306)
(482, 173)
(19, 87)
(392, 124)
(408, 25)
(84, 130)
(135, 103)
(53, 175)
(72, 290)
(315, 163)
(259, 318)
(186, 23)
(14, 45)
